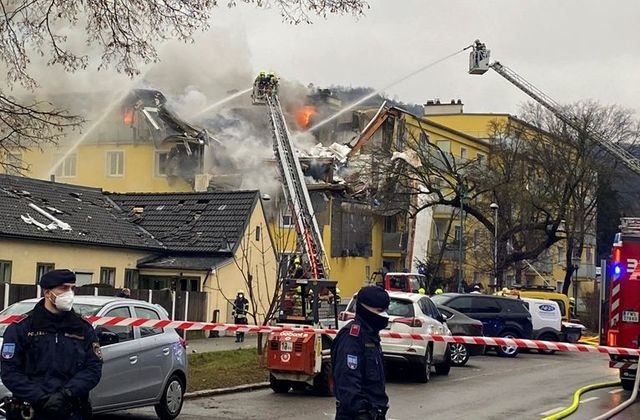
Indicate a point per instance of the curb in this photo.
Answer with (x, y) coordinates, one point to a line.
(223, 391)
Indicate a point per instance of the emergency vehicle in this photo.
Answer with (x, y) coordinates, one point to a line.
(299, 359)
(623, 328)
(400, 282)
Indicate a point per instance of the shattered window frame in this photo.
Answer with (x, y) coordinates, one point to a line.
(119, 163)
(157, 166)
(68, 168)
(5, 271)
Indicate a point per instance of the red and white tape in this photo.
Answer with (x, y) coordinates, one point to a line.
(212, 326)
(622, 365)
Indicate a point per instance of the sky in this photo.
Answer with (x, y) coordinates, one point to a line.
(571, 50)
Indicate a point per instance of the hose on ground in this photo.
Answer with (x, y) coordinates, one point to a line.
(576, 400)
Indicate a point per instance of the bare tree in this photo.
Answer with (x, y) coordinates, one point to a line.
(121, 34)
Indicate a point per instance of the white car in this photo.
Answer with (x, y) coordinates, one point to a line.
(546, 320)
(411, 313)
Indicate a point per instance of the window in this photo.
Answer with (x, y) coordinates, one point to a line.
(485, 306)
(286, 220)
(108, 275)
(428, 308)
(84, 278)
(131, 278)
(589, 255)
(162, 158)
(457, 234)
(463, 154)
(257, 233)
(5, 271)
(148, 314)
(66, 168)
(462, 304)
(480, 158)
(124, 332)
(403, 308)
(115, 163)
(13, 162)
(42, 269)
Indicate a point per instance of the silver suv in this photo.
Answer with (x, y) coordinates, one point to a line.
(142, 366)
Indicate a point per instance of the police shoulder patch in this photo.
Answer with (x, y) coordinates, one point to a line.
(352, 361)
(354, 330)
(8, 350)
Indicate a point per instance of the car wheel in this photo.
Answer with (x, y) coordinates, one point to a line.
(444, 367)
(278, 386)
(172, 398)
(507, 351)
(424, 372)
(547, 337)
(459, 354)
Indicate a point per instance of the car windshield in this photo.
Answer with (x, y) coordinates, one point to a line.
(24, 307)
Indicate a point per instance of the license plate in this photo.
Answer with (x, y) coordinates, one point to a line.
(630, 316)
(286, 346)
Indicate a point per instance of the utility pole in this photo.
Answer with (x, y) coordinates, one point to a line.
(462, 192)
(495, 207)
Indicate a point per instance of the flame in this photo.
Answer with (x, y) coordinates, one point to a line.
(304, 115)
(128, 116)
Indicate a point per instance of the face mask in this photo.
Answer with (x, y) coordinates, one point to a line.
(376, 321)
(64, 301)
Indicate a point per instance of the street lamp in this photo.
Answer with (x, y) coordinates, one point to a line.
(495, 207)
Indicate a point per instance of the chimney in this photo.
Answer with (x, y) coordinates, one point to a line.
(434, 107)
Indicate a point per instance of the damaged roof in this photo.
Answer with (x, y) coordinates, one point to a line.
(51, 211)
(204, 262)
(208, 222)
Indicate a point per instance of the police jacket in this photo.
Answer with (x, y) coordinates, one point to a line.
(358, 371)
(46, 353)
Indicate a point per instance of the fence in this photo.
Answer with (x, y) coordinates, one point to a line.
(179, 305)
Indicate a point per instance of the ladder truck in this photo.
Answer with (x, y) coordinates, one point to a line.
(299, 359)
(623, 326)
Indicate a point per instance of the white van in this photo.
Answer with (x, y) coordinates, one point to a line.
(546, 319)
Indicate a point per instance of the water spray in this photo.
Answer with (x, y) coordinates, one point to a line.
(223, 101)
(371, 95)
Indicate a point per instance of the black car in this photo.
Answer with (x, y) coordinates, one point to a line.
(501, 316)
(460, 324)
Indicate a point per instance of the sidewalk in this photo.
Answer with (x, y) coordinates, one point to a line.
(204, 345)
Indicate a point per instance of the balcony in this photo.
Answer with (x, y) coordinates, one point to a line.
(451, 251)
(394, 242)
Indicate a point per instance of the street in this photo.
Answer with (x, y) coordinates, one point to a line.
(527, 387)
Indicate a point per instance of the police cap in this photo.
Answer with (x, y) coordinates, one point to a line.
(55, 278)
(374, 296)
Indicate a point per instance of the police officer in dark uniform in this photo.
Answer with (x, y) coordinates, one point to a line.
(356, 357)
(52, 359)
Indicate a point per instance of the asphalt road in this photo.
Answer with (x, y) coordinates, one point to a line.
(527, 387)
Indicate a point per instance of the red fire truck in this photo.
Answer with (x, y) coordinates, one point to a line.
(623, 327)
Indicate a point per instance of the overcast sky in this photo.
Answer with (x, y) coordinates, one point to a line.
(571, 50)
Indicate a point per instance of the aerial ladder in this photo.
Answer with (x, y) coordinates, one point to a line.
(298, 359)
(479, 64)
(620, 332)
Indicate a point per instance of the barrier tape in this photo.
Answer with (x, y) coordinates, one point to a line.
(213, 326)
(622, 365)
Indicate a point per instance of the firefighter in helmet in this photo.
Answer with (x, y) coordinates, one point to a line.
(295, 270)
(240, 310)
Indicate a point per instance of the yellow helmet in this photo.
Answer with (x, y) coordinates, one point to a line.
(299, 289)
(439, 291)
(296, 260)
(422, 291)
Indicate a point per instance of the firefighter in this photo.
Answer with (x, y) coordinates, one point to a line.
(356, 358)
(439, 291)
(296, 270)
(240, 310)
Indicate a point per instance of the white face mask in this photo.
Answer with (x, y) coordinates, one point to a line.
(64, 301)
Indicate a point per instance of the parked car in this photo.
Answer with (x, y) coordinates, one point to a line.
(460, 324)
(502, 316)
(142, 366)
(411, 313)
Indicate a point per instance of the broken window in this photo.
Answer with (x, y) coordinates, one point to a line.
(351, 225)
(108, 276)
(67, 168)
(5, 271)
(115, 163)
(42, 269)
(162, 158)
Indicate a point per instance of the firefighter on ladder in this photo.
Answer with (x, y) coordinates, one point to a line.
(240, 310)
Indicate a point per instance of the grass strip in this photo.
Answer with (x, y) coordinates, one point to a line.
(222, 369)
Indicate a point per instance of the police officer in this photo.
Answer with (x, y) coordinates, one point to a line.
(356, 357)
(240, 310)
(51, 359)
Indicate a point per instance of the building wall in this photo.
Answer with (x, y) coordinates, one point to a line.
(139, 168)
(25, 255)
(255, 257)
